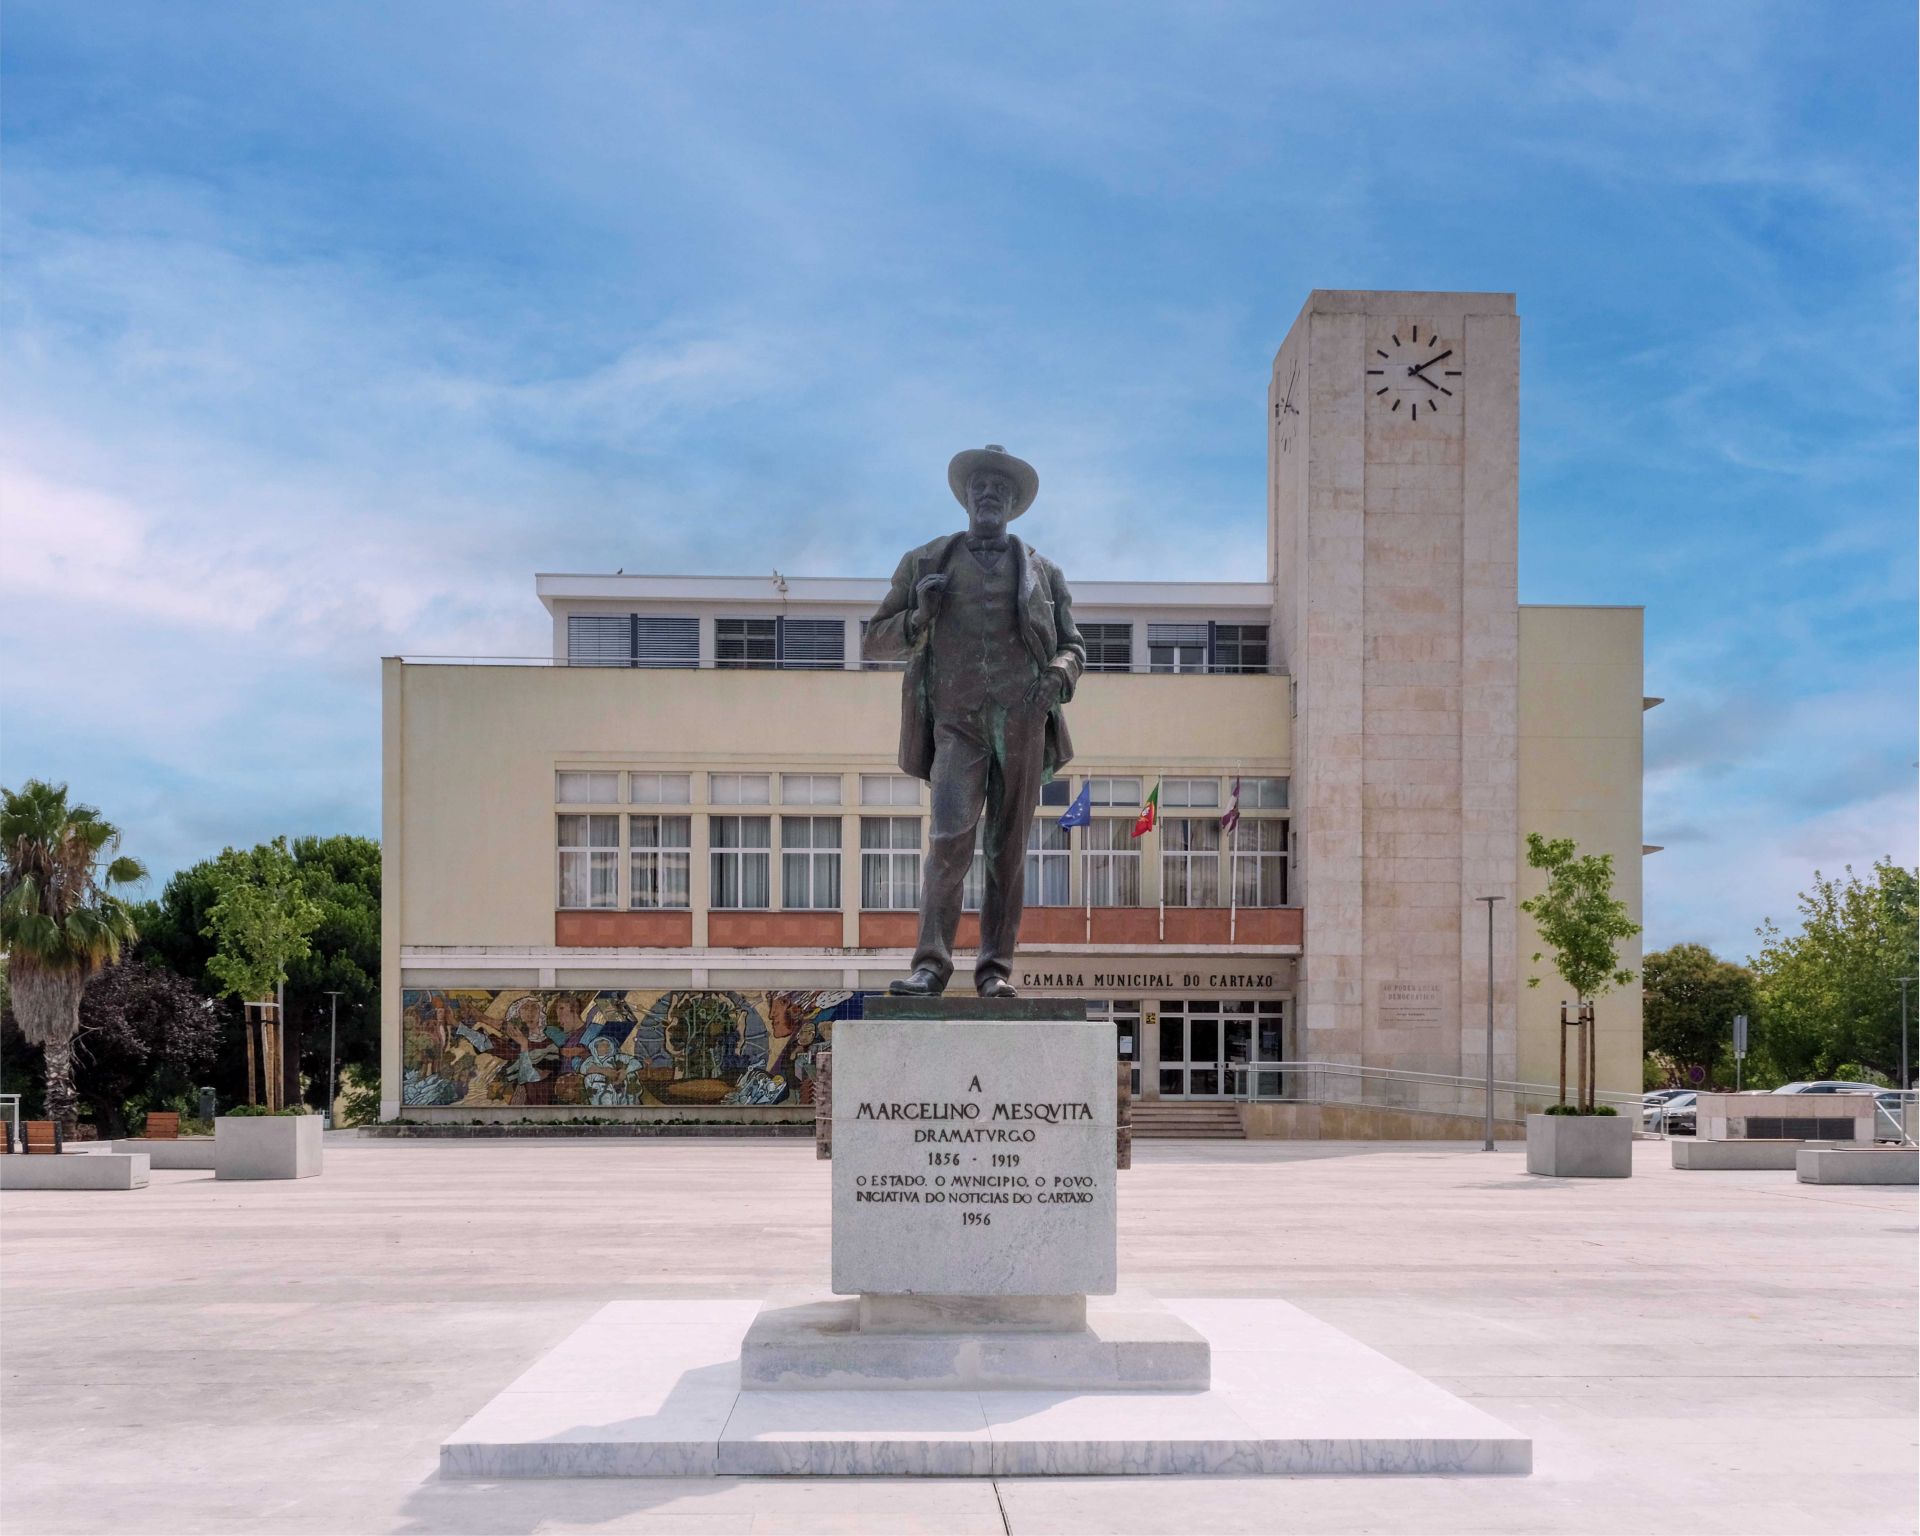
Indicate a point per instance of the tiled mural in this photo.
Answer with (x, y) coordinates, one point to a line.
(470, 1046)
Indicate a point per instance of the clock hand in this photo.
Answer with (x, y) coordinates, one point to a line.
(1415, 371)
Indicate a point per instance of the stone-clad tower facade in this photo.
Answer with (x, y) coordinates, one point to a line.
(1393, 526)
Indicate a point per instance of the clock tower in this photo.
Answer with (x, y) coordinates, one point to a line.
(1393, 520)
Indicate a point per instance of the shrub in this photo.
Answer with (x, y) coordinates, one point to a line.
(1575, 1109)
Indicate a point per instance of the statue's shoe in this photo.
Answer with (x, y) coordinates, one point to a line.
(997, 986)
(922, 983)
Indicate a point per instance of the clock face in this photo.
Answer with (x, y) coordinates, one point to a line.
(1286, 409)
(1414, 372)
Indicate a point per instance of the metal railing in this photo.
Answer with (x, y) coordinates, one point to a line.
(1440, 1093)
(715, 664)
(10, 1107)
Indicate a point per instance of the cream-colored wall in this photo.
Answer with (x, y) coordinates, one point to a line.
(1581, 727)
(472, 751)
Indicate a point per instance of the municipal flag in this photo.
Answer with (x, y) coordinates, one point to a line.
(1150, 815)
(1080, 813)
(1230, 818)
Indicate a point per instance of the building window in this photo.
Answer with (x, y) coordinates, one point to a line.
(1113, 791)
(1239, 647)
(1057, 792)
(1049, 864)
(810, 789)
(890, 863)
(745, 643)
(1112, 863)
(806, 644)
(1196, 793)
(810, 863)
(813, 644)
(1263, 794)
(659, 788)
(739, 858)
(586, 788)
(1177, 647)
(659, 861)
(631, 640)
(599, 640)
(889, 789)
(1109, 647)
(1260, 862)
(1190, 861)
(739, 789)
(589, 861)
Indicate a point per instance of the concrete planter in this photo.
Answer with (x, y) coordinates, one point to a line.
(1580, 1146)
(266, 1146)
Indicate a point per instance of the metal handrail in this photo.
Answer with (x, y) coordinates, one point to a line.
(10, 1104)
(1341, 1069)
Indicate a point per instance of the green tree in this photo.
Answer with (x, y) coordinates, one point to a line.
(1690, 996)
(342, 875)
(1830, 992)
(260, 926)
(145, 1035)
(1579, 919)
(61, 919)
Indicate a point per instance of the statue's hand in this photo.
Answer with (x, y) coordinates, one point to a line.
(928, 593)
(1047, 690)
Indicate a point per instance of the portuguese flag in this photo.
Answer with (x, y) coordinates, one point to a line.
(1150, 816)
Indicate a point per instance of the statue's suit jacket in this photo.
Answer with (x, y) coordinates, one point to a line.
(1045, 609)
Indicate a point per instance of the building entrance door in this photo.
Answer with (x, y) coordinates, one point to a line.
(1213, 1049)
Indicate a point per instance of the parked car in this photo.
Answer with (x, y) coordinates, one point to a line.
(1674, 1115)
(1661, 1095)
(1828, 1085)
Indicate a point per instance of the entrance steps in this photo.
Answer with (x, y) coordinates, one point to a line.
(1186, 1120)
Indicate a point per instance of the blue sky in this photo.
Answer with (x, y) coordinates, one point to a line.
(327, 325)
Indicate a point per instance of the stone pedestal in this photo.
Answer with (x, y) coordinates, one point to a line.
(974, 1146)
(973, 1155)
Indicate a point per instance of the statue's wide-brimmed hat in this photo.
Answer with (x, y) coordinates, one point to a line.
(1025, 478)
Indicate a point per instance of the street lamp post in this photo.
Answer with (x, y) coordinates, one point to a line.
(1905, 1081)
(1487, 1146)
(333, 1038)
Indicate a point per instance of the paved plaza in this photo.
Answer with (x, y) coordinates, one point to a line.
(1699, 1352)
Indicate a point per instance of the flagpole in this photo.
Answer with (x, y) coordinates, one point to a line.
(1233, 882)
(1160, 880)
(1086, 876)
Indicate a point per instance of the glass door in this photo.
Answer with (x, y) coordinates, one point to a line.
(1192, 1064)
(1125, 1014)
(1213, 1049)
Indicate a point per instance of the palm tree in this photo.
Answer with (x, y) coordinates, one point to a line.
(60, 921)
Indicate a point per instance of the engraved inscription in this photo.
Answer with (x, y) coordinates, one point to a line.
(1410, 1004)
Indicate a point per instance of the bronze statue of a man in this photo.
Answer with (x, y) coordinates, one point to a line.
(986, 628)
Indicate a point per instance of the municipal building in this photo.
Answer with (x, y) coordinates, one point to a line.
(641, 878)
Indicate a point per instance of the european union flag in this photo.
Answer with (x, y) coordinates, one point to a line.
(1081, 811)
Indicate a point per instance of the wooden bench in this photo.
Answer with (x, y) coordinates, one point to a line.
(163, 1127)
(43, 1136)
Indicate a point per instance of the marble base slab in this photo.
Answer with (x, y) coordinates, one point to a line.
(652, 1389)
(816, 1343)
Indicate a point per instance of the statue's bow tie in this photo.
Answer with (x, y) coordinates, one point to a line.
(982, 547)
